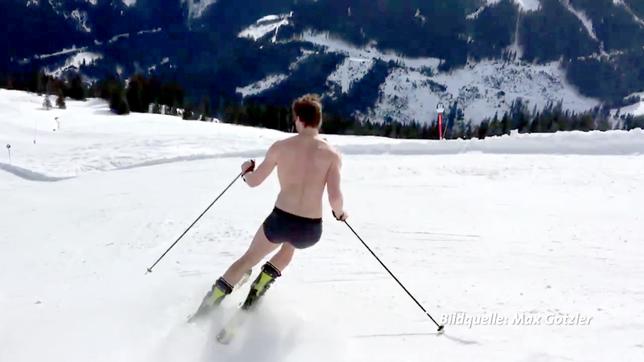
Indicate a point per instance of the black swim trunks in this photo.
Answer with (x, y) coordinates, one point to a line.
(283, 227)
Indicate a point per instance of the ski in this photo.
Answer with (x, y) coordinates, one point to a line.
(205, 309)
(226, 334)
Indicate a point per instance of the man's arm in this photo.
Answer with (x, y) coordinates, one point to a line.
(333, 187)
(256, 177)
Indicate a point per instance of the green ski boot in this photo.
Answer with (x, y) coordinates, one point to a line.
(215, 295)
(260, 285)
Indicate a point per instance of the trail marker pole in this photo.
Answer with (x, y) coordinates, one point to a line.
(440, 109)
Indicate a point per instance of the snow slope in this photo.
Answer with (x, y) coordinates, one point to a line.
(481, 89)
(412, 90)
(115, 143)
(348, 72)
(262, 85)
(636, 109)
(512, 233)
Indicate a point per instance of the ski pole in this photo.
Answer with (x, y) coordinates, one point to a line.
(440, 327)
(193, 224)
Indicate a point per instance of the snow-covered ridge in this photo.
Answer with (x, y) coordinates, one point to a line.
(265, 25)
(524, 5)
(75, 57)
(111, 142)
(262, 85)
(117, 37)
(272, 80)
(630, 11)
(73, 49)
(476, 14)
(335, 45)
(151, 31)
(74, 62)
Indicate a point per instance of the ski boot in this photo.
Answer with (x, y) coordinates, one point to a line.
(260, 285)
(215, 295)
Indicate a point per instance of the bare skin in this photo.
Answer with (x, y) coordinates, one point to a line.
(306, 164)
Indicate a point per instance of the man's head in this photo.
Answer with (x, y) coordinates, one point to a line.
(307, 112)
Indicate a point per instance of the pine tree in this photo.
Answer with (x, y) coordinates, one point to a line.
(534, 124)
(60, 100)
(603, 124)
(77, 89)
(483, 129)
(118, 103)
(187, 112)
(204, 108)
(495, 127)
(46, 103)
(134, 95)
(506, 124)
(41, 82)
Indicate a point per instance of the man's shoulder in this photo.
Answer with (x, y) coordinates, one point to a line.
(286, 141)
(332, 150)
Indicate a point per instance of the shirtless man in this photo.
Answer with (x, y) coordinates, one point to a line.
(306, 163)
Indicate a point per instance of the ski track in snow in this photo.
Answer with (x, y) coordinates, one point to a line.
(483, 234)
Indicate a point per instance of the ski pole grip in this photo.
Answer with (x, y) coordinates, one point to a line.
(339, 218)
(250, 168)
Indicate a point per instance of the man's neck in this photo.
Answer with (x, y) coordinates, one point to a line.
(309, 132)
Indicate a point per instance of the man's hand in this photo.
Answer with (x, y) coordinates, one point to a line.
(248, 166)
(341, 216)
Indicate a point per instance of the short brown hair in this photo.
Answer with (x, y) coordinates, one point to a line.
(309, 109)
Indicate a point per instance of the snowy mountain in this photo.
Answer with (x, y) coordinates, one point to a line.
(526, 246)
(392, 61)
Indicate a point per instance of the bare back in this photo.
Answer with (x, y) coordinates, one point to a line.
(303, 164)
